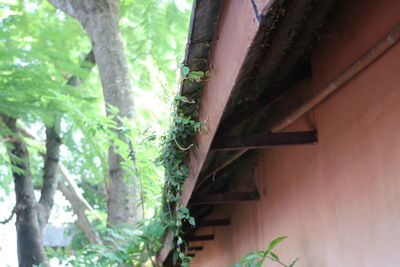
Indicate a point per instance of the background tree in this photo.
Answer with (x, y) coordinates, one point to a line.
(100, 19)
(40, 51)
(21, 71)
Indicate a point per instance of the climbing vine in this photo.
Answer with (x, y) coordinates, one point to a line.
(175, 146)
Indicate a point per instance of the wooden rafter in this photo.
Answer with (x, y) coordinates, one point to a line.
(199, 238)
(195, 248)
(263, 140)
(210, 223)
(229, 197)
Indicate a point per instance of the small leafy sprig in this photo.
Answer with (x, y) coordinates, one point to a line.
(183, 215)
(257, 258)
(196, 76)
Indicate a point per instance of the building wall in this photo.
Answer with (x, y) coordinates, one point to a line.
(338, 201)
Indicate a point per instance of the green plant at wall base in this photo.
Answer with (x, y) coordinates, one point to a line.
(123, 247)
(257, 258)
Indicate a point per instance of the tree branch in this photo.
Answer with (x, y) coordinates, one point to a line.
(49, 187)
(53, 142)
(79, 205)
(67, 6)
(101, 192)
(9, 218)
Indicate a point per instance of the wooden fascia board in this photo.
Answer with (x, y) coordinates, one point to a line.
(235, 36)
(236, 32)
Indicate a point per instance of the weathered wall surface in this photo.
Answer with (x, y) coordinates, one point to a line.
(338, 201)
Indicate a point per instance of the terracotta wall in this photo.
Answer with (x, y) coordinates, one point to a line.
(338, 201)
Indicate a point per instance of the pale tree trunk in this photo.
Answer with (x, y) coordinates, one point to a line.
(100, 20)
(78, 204)
(67, 185)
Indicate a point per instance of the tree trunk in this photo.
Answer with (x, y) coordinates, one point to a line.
(32, 216)
(53, 142)
(124, 195)
(70, 190)
(27, 209)
(100, 20)
(53, 169)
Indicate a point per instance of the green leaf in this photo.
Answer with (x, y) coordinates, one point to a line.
(180, 241)
(293, 263)
(274, 256)
(274, 243)
(184, 71)
(252, 256)
(192, 221)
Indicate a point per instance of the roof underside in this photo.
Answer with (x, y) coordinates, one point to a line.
(277, 60)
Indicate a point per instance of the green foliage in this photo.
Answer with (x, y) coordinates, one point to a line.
(36, 61)
(175, 146)
(137, 145)
(155, 31)
(40, 49)
(35, 64)
(32, 67)
(257, 258)
(123, 247)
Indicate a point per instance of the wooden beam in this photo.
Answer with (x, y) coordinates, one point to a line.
(195, 248)
(210, 223)
(199, 238)
(264, 140)
(190, 255)
(224, 198)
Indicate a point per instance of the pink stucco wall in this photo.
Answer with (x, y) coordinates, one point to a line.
(338, 201)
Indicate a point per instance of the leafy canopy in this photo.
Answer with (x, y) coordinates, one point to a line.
(41, 48)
